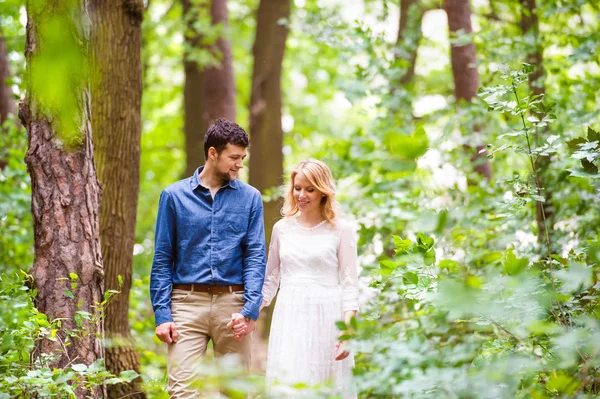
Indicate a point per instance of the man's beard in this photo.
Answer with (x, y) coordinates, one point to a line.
(223, 175)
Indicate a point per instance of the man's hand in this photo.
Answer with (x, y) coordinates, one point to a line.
(240, 325)
(167, 332)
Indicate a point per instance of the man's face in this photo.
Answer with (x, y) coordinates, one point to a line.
(230, 161)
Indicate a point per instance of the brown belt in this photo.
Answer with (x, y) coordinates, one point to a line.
(211, 289)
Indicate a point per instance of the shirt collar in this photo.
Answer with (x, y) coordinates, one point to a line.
(195, 181)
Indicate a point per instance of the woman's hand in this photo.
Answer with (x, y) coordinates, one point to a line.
(341, 345)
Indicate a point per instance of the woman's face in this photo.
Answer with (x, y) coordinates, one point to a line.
(307, 196)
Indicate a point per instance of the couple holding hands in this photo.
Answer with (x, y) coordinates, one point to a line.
(210, 280)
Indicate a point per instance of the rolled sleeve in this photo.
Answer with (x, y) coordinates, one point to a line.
(254, 260)
(161, 276)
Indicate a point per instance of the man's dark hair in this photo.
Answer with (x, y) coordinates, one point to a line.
(222, 132)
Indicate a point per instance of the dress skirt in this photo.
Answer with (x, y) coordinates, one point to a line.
(302, 342)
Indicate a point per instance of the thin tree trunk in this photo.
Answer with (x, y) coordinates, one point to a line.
(116, 100)
(266, 156)
(209, 92)
(530, 27)
(464, 70)
(65, 190)
(409, 35)
(7, 103)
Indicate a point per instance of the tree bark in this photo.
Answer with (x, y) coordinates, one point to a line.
(65, 190)
(209, 92)
(530, 29)
(266, 133)
(116, 100)
(464, 70)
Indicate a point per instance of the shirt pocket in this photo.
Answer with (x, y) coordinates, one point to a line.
(236, 221)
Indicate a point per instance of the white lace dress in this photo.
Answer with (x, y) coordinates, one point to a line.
(315, 270)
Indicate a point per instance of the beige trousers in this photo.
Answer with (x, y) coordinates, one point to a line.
(200, 317)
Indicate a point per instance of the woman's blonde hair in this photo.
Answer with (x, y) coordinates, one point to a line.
(319, 176)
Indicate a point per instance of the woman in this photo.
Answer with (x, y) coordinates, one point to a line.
(313, 261)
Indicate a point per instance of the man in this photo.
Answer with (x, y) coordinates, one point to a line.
(209, 259)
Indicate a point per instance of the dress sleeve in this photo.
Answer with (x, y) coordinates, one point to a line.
(273, 273)
(348, 268)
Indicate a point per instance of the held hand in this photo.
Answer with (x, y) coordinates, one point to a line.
(167, 332)
(235, 321)
(343, 353)
(240, 326)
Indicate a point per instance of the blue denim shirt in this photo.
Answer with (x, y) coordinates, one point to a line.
(206, 241)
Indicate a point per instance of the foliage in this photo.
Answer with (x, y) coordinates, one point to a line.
(516, 325)
(461, 298)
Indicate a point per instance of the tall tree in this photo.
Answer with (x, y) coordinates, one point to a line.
(209, 90)
(116, 124)
(67, 270)
(530, 29)
(464, 69)
(409, 35)
(266, 133)
(7, 102)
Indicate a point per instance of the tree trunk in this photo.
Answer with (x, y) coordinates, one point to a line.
(464, 70)
(209, 92)
(7, 103)
(530, 27)
(65, 190)
(116, 100)
(266, 156)
(409, 35)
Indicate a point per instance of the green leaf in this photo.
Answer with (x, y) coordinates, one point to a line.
(98, 365)
(341, 325)
(387, 267)
(64, 377)
(450, 265)
(561, 383)
(411, 278)
(402, 246)
(424, 241)
(79, 367)
(589, 167)
(128, 375)
(513, 265)
(354, 323)
(593, 135)
(574, 144)
(541, 327)
(582, 173)
(68, 293)
(429, 257)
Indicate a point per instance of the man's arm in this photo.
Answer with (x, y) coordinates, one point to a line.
(254, 260)
(161, 276)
